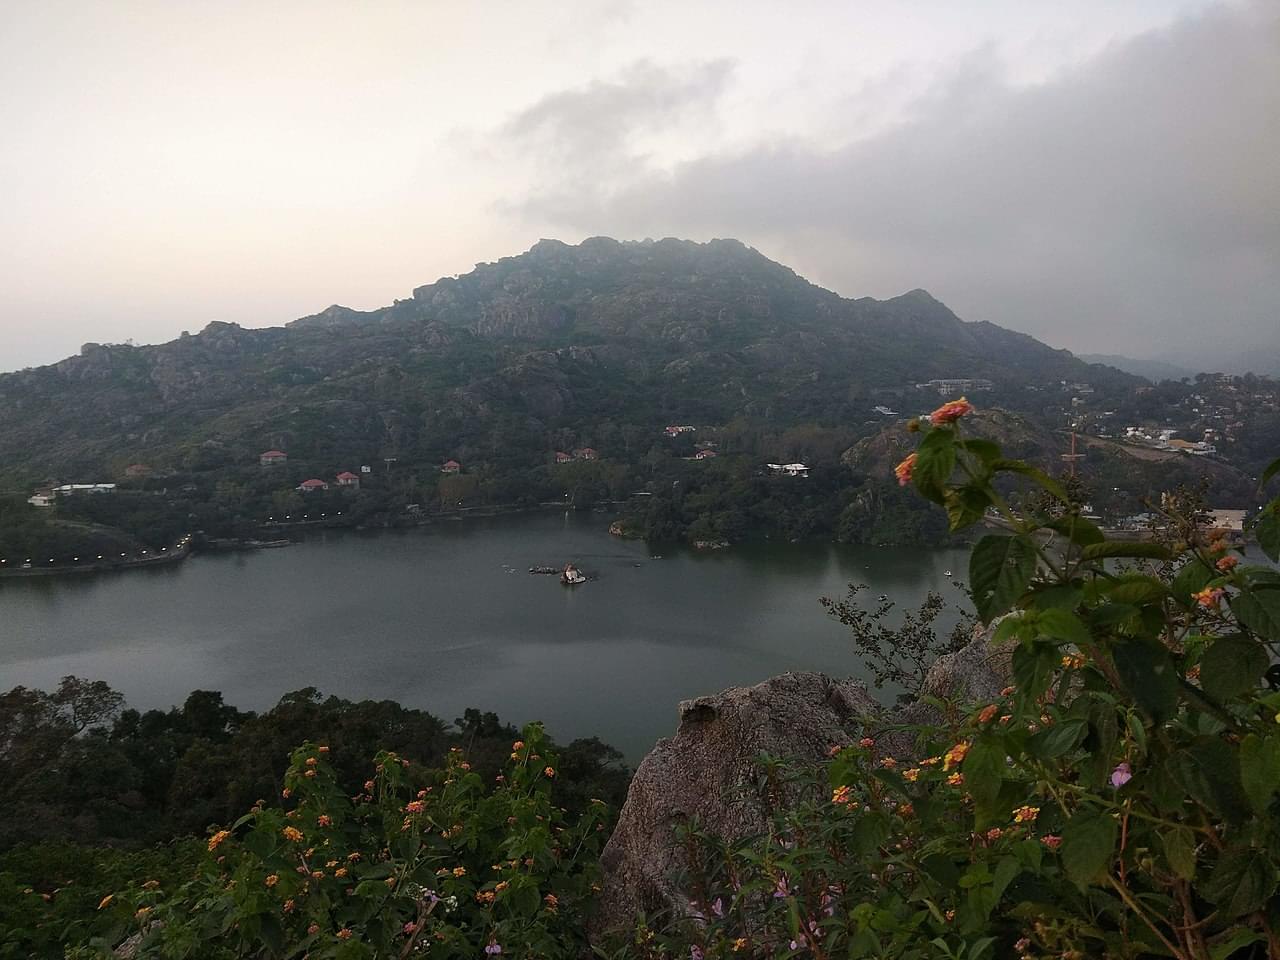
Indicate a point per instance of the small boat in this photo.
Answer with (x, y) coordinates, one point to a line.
(946, 573)
(572, 576)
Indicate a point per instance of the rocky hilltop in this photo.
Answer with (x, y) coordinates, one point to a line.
(558, 338)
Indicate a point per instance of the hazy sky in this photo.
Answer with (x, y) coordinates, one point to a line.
(1104, 175)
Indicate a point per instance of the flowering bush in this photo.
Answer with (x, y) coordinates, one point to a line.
(429, 863)
(1120, 798)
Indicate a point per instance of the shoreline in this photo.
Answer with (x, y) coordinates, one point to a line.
(160, 559)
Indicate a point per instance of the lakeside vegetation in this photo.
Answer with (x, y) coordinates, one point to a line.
(598, 346)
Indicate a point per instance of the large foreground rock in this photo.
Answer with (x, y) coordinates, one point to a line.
(704, 773)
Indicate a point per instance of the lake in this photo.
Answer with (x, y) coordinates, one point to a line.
(446, 617)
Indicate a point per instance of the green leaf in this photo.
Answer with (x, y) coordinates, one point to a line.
(1148, 674)
(987, 451)
(1241, 882)
(1088, 841)
(935, 459)
(1260, 770)
(1238, 940)
(1191, 578)
(1033, 668)
(1272, 469)
(1042, 479)
(1232, 666)
(1064, 626)
(1180, 851)
(1209, 771)
(1136, 589)
(1258, 610)
(1078, 530)
(1268, 533)
(984, 769)
(1057, 739)
(966, 506)
(1000, 568)
(1124, 548)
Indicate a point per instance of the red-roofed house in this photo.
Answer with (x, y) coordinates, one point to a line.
(451, 466)
(586, 453)
(310, 486)
(562, 457)
(272, 458)
(348, 479)
(704, 455)
(137, 470)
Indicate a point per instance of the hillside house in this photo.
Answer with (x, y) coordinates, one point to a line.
(136, 470)
(272, 458)
(586, 453)
(42, 498)
(954, 386)
(562, 457)
(704, 455)
(312, 485)
(75, 489)
(451, 466)
(789, 469)
(676, 429)
(348, 479)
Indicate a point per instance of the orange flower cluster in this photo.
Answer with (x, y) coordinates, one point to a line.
(217, 839)
(272, 880)
(292, 834)
(903, 470)
(989, 711)
(1026, 814)
(843, 796)
(1227, 564)
(950, 412)
(1209, 597)
(955, 756)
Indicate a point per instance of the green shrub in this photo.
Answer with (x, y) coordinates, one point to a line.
(1121, 798)
(415, 863)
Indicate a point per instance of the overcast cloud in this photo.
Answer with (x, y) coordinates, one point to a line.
(1129, 205)
(1101, 175)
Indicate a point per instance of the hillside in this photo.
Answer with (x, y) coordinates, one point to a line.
(500, 363)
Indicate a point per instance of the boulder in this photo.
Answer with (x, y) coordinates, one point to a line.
(705, 773)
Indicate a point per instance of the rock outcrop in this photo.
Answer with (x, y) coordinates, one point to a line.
(706, 771)
(708, 765)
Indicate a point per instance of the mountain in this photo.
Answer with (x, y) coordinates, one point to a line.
(560, 344)
(1153, 370)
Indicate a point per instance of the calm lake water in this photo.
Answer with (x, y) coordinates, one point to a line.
(447, 616)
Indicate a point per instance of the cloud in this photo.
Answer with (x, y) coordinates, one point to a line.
(607, 121)
(1128, 204)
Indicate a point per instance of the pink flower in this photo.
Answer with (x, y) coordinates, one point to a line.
(410, 927)
(950, 412)
(493, 949)
(1121, 775)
